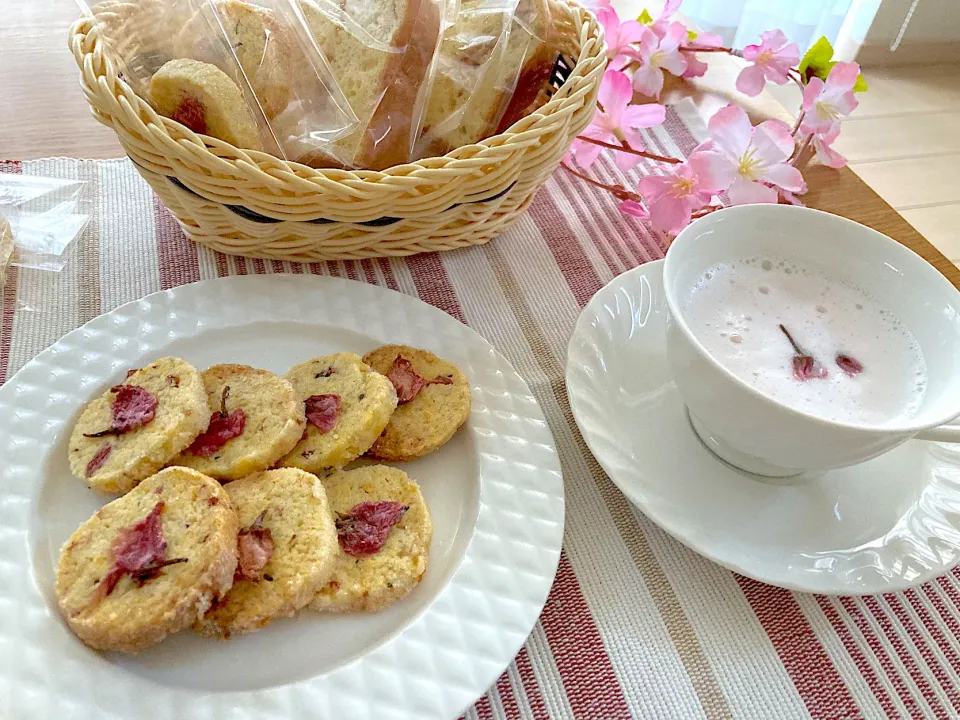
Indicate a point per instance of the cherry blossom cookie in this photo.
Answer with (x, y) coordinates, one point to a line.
(138, 426)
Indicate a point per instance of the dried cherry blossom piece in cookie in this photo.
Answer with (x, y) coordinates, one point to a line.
(222, 429)
(99, 459)
(407, 381)
(190, 112)
(322, 411)
(364, 530)
(133, 407)
(851, 366)
(441, 380)
(133, 549)
(255, 545)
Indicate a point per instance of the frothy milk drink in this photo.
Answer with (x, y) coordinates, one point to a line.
(804, 337)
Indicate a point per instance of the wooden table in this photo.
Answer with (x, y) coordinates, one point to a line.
(43, 113)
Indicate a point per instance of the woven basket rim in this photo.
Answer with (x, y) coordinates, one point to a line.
(423, 169)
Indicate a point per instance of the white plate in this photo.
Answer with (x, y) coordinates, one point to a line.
(495, 492)
(882, 526)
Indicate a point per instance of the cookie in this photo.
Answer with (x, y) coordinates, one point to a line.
(365, 580)
(288, 546)
(137, 427)
(150, 563)
(257, 419)
(205, 99)
(347, 406)
(434, 401)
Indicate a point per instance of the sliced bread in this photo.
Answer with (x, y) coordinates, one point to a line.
(380, 54)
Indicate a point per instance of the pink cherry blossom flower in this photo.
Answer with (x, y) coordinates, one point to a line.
(824, 103)
(822, 143)
(662, 23)
(751, 159)
(620, 37)
(632, 207)
(615, 113)
(772, 60)
(656, 55)
(696, 67)
(596, 5)
(687, 187)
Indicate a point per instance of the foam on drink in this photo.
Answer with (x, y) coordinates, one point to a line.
(736, 308)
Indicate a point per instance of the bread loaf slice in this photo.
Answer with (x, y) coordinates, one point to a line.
(380, 53)
(486, 57)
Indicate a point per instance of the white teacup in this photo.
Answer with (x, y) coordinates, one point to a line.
(756, 432)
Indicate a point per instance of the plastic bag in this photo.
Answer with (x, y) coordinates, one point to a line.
(488, 50)
(382, 55)
(247, 73)
(44, 216)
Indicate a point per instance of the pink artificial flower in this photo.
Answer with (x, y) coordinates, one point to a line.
(791, 198)
(662, 23)
(750, 159)
(632, 207)
(656, 55)
(620, 37)
(596, 5)
(822, 143)
(687, 187)
(825, 102)
(617, 113)
(772, 60)
(696, 67)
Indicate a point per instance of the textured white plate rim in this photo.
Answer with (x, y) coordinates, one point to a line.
(471, 660)
(576, 380)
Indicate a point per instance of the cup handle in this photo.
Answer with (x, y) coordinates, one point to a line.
(945, 433)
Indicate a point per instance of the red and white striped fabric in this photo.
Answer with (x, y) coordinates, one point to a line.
(636, 625)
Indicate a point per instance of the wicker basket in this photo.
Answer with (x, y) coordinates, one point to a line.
(245, 202)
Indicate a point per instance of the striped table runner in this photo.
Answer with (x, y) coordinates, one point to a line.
(636, 625)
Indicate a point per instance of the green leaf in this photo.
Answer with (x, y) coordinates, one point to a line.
(645, 18)
(818, 60)
(860, 85)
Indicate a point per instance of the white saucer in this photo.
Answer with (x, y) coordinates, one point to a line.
(883, 526)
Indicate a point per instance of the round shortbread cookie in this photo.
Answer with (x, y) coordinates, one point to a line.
(366, 402)
(198, 524)
(115, 463)
(374, 581)
(205, 99)
(272, 423)
(290, 506)
(430, 419)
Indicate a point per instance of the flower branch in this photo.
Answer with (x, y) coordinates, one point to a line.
(746, 163)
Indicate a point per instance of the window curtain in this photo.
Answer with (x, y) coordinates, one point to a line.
(740, 22)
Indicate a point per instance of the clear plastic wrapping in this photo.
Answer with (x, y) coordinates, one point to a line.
(44, 216)
(333, 83)
(484, 53)
(247, 73)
